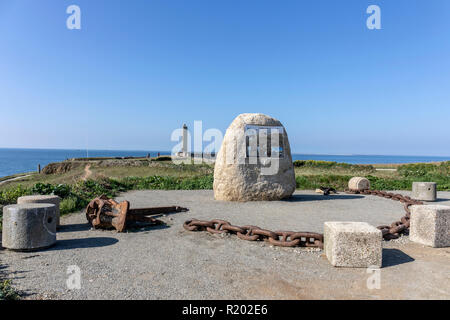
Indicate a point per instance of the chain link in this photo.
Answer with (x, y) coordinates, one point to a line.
(304, 239)
(254, 233)
(397, 228)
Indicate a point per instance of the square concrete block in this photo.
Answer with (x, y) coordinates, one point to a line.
(430, 225)
(352, 244)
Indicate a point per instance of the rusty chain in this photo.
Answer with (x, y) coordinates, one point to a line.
(397, 228)
(254, 233)
(303, 239)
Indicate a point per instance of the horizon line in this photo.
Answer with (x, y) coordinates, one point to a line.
(293, 153)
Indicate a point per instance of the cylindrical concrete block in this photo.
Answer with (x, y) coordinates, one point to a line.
(29, 226)
(424, 191)
(359, 184)
(43, 199)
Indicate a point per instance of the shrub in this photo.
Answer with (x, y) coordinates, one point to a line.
(7, 292)
(425, 169)
(389, 184)
(333, 165)
(9, 196)
(69, 205)
(309, 182)
(61, 190)
(314, 163)
(197, 183)
(42, 188)
(163, 158)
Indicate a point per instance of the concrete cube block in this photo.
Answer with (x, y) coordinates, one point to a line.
(43, 199)
(352, 244)
(359, 184)
(29, 226)
(430, 225)
(424, 191)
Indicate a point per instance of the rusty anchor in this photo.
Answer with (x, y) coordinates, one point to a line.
(106, 213)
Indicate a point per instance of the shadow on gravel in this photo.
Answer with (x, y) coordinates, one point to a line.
(4, 273)
(136, 227)
(142, 228)
(441, 200)
(93, 242)
(320, 197)
(394, 257)
(74, 227)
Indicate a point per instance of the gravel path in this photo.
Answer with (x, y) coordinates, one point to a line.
(15, 178)
(171, 263)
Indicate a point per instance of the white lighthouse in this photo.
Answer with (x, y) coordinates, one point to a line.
(184, 150)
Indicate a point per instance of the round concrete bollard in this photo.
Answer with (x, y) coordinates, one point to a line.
(43, 199)
(29, 226)
(359, 184)
(424, 191)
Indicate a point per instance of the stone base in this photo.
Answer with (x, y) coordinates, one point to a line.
(352, 244)
(29, 226)
(424, 191)
(430, 225)
(359, 184)
(43, 199)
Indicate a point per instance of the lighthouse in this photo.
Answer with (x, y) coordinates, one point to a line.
(184, 150)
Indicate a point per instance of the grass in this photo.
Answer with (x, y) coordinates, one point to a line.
(76, 196)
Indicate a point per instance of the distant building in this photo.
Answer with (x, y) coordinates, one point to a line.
(184, 149)
(185, 153)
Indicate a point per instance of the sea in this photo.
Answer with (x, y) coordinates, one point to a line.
(13, 161)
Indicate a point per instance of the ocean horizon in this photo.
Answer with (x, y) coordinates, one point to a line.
(21, 160)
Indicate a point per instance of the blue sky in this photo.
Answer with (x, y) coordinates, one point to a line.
(138, 69)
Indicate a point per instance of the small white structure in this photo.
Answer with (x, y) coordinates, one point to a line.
(254, 161)
(430, 225)
(352, 244)
(184, 150)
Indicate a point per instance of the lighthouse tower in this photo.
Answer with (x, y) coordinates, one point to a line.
(184, 150)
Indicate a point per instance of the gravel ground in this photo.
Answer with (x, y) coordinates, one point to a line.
(171, 263)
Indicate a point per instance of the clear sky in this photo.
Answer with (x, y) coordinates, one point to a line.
(139, 69)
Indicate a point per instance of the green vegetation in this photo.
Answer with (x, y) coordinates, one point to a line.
(314, 174)
(332, 165)
(10, 195)
(163, 158)
(77, 196)
(81, 183)
(7, 292)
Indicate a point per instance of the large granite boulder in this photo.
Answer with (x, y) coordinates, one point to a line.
(254, 161)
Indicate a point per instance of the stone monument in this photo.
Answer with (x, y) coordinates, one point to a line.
(254, 161)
